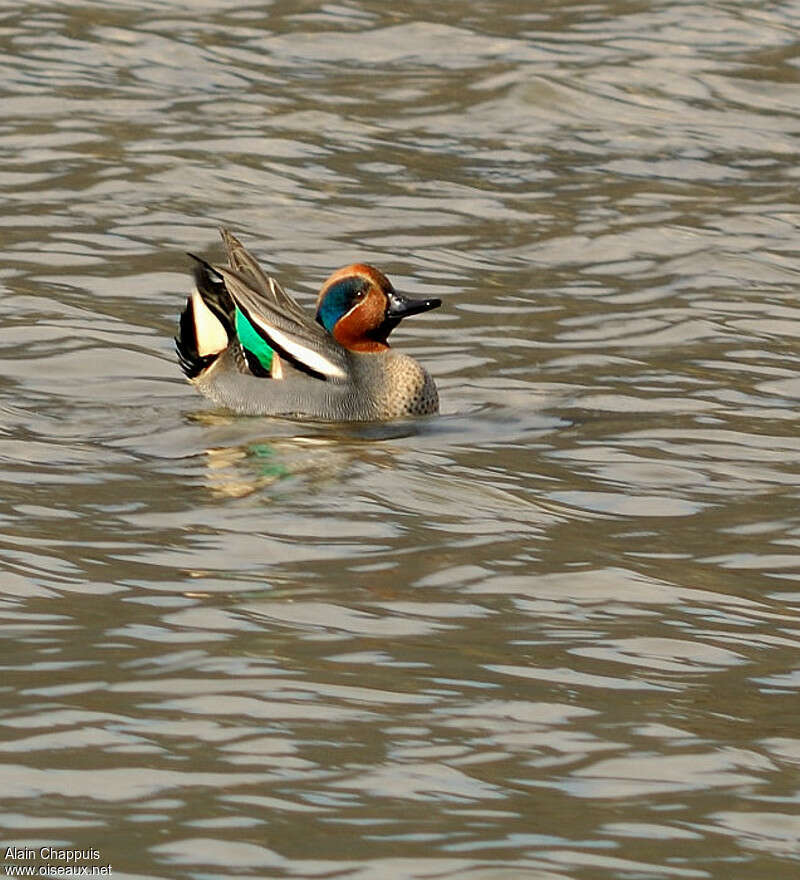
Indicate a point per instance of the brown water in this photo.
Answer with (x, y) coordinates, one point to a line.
(552, 633)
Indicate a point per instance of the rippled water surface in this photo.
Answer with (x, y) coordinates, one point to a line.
(552, 633)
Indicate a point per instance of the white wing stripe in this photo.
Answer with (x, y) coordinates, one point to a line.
(312, 359)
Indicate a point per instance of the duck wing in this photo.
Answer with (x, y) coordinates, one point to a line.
(246, 265)
(266, 309)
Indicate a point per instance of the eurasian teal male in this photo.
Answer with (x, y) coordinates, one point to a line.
(248, 346)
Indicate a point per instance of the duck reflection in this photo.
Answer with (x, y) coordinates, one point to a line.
(243, 461)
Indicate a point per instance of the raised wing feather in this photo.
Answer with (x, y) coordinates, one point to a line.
(243, 262)
(281, 322)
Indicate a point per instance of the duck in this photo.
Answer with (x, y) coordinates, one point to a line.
(249, 347)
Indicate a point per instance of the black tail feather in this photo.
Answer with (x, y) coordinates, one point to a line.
(212, 289)
(191, 361)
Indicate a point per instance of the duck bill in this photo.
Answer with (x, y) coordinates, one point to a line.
(402, 306)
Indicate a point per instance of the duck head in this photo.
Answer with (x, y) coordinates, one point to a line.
(359, 307)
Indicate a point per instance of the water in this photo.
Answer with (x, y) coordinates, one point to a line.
(552, 633)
